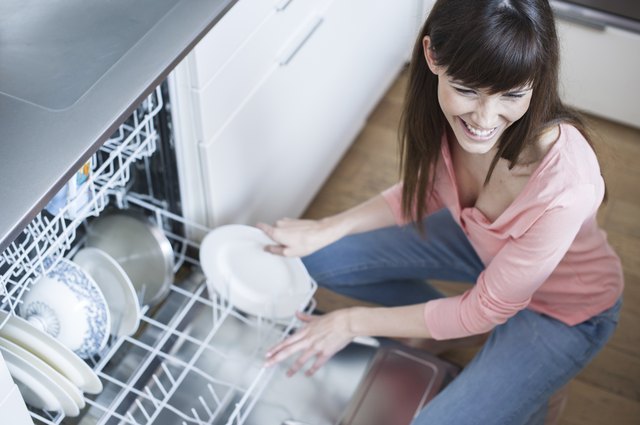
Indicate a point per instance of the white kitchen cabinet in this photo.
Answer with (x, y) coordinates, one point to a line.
(269, 124)
(220, 93)
(226, 38)
(599, 71)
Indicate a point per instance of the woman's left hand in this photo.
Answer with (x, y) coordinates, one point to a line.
(320, 337)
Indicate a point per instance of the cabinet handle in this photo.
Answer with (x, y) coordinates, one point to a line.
(290, 52)
(282, 5)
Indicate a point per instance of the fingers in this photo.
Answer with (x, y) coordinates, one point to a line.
(277, 249)
(304, 317)
(300, 361)
(294, 237)
(283, 224)
(321, 359)
(275, 234)
(285, 349)
(298, 342)
(280, 353)
(267, 229)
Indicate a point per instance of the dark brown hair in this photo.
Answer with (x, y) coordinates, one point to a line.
(495, 45)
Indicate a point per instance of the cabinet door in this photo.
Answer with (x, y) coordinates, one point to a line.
(599, 71)
(273, 155)
(232, 82)
(225, 38)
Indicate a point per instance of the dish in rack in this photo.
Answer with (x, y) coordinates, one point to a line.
(43, 345)
(41, 386)
(140, 248)
(253, 280)
(68, 305)
(116, 287)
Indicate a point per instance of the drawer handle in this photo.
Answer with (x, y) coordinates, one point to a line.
(290, 52)
(282, 5)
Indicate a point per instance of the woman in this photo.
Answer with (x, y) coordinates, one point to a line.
(500, 187)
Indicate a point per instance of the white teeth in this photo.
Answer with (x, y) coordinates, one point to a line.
(477, 132)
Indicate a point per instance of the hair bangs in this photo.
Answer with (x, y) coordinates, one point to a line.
(501, 55)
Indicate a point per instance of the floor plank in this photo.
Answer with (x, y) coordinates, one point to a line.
(615, 371)
(590, 405)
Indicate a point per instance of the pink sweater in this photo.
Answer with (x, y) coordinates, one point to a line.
(545, 252)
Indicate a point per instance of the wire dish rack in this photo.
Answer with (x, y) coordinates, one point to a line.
(195, 359)
(51, 235)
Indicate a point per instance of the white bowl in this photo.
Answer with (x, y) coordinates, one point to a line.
(68, 305)
(254, 281)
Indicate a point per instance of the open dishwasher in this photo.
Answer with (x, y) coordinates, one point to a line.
(195, 358)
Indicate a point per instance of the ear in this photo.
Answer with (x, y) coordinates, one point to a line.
(429, 56)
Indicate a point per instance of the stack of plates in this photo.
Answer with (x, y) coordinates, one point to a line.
(49, 375)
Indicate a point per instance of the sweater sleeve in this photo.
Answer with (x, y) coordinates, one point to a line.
(508, 283)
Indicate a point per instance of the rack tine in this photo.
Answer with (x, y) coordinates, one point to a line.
(168, 373)
(152, 398)
(132, 419)
(205, 406)
(142, 409)
(213, 394)
(160, 386)
(195, 415)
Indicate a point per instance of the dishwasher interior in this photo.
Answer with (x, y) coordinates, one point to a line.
(194, 359)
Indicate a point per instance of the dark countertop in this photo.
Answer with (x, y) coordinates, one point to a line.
(70, 72)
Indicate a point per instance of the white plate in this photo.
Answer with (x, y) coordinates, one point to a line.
(41, 386)
(116, 287)
(254, 281)
(51, 351)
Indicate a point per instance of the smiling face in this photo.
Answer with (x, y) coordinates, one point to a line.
(477, 117)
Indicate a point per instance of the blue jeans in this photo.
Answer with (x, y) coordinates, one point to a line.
(524, 361)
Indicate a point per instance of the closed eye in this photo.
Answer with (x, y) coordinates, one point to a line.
(514, 95)
(464, 91)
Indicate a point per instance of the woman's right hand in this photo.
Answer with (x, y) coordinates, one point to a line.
(319, 339)
(297, 238)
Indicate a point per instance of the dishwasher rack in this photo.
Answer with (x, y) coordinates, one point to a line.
(194, 359)
(51, 235)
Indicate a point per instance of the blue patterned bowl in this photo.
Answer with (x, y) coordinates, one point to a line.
(68, 305)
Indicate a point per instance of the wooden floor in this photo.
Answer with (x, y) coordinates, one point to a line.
(608, 390)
